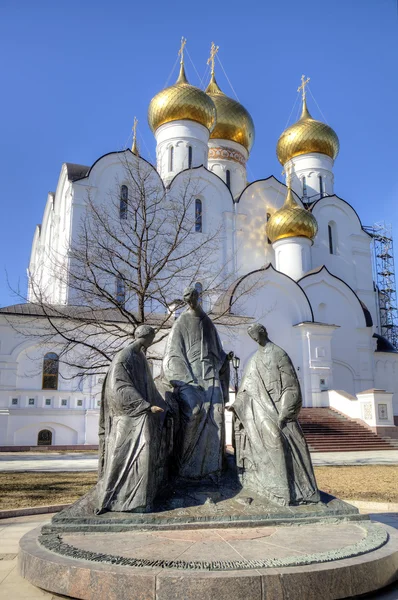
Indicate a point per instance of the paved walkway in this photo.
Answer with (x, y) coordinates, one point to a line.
(13, 587)
(74, 461)
(85, 461)
(371, 457)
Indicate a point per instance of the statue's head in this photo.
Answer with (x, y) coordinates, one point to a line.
(191, 297)
(258, 333)
(146, 334)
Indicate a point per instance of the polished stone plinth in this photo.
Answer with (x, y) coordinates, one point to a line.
(324, 560)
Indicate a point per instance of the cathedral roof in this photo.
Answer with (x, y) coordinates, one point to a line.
(233, 121)
(181, 101)
(75, 171)
(305, 136)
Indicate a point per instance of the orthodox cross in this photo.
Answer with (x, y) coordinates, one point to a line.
(134, 146)
(181, 50)
(213, 51)
(304, 82)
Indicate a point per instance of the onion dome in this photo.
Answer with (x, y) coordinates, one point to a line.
(307, 135)
(181, 101)
(233, 120)
(292, 220)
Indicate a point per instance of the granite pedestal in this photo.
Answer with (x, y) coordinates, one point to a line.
(300, 562)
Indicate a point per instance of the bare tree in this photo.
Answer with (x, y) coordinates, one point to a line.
(128, 265)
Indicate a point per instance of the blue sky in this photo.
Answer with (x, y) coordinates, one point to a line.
(74, 73)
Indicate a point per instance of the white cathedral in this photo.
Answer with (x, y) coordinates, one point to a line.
(303, 243)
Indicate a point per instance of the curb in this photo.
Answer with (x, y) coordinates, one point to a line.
(374, 506)
(32, 510)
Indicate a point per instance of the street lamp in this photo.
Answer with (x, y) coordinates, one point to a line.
(235, 364)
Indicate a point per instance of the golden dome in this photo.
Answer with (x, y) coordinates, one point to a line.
(292, 220)
(233, 121)
(307, 135)
(181, 101)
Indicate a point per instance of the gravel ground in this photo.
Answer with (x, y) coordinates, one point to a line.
(18, 490)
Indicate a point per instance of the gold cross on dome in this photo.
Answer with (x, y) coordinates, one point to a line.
(213, 51)
(135, 128)
(134, 147)
(181, 50)
(304, 82)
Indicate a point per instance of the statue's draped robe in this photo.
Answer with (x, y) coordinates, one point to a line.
(274, 461)
(194, 357)
(131, 448)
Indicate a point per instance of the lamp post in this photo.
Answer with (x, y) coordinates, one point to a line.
(235, 364)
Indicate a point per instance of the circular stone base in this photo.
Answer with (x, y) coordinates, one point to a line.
(325, 561)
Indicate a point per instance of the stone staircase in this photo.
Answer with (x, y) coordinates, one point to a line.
(327, 430)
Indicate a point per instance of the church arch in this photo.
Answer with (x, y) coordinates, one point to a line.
(45, 437)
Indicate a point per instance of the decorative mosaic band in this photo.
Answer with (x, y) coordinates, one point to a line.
(227, 154)
(375, 538)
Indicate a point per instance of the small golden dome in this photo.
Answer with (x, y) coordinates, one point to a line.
(307, 135)
(179, 102)
(292, 220)
(233, 122)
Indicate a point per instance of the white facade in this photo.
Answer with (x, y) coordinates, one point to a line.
(317, 300)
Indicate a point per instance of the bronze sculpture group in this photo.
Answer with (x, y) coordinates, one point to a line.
(154, 434)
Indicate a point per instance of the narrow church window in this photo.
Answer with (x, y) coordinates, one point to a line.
(228, 178)
(171, 158)
(45, 438)
(50, 371)
(120, 291)
(199, 289)
(198, 215)
(332, 239)
(189, 157)
(268, 218)
(304, 180)
(321, 190)
(124, 197)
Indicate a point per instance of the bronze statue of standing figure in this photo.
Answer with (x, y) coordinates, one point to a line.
(197, 369)
(133, 431)
(271, 453)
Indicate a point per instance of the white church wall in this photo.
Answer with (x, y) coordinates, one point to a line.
(260, 198)
(352, 345)
(345, 403)
(386, 375)
(350, 258)
(278, 303)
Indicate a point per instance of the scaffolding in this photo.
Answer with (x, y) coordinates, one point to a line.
(384, 270)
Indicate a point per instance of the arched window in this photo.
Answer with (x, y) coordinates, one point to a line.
(304, 180)
(50, 371)
(321, 188)
(198, 215)
(268, 218)
(199, 289)
(120, 291)
(171, 158)
(228, 178)
(332, 237)
(45, 438)
(189, 157)
(124, 199)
